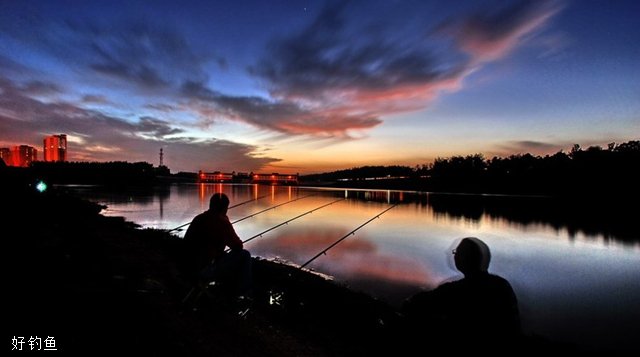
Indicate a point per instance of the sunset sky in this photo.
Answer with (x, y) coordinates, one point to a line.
(313, 86)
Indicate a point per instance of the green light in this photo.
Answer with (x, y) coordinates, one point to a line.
(41, 186)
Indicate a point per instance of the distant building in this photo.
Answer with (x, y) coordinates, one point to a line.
(5, 155)
(275, 179)
(217, 176)
(242, 177)
(23, 155)
(55, 148)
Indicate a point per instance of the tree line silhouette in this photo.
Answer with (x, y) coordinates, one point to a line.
(117, 173)
(595, 171)
(590, 189)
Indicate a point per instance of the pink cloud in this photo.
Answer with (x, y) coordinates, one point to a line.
(328, 82)
(491, 36)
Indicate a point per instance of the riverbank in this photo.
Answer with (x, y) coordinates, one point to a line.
(100, 285)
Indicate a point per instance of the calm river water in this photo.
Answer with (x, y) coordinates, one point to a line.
(572, 286)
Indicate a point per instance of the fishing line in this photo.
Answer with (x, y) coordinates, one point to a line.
(270, 208)
(324, 251)
(289, 220)
(234, 206)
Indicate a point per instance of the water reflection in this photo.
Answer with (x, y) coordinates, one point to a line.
(574, 266)
(387, 196)
(592, 219)
(348, 259)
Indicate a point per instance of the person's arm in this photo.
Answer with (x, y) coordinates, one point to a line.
(193, 231)
(230, 236)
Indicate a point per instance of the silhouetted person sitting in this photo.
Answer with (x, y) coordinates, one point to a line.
(478, 312)
(208, 235)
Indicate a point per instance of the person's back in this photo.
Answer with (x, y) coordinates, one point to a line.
(483, 305)
(208, 235)
(480, 308)
(205, 241)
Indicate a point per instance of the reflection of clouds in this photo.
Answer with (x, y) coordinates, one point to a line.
(353, 258)
(391, 268)
(305, 243)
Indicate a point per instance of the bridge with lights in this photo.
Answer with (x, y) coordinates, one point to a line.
(243, 177)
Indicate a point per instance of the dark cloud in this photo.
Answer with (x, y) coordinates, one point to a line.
(332, 78)
(342, 77)
(212, 154)
(339, 75)
(95, 99)
(41, 88)
(156, 128)
(327, 58)
(146, 54)
(150, 56)
(529, 146)
(534, 144)
(198, 90)
(279, 115)
(96, 136)
(139, 74)
(161, 107)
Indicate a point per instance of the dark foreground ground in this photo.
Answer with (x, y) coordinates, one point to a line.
(99, 285)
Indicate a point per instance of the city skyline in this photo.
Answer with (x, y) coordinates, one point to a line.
(317, 86)
(54, 149)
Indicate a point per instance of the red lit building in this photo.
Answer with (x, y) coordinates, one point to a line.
(55, 148)
(23, 155)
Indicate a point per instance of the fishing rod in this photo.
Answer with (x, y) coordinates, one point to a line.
(248, 201)
(270, 208)
(269, 230)
(234, 206)
(289, 220)
(324, 251)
